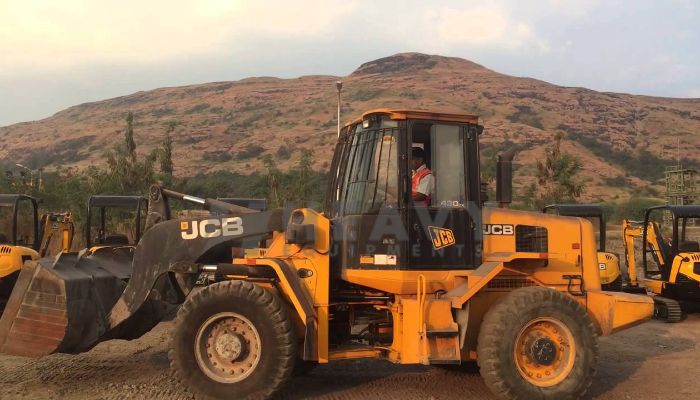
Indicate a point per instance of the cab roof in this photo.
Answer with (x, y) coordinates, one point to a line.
(682, 211)
(576, 210)
(398, 114)
(116, 201)
(9, 200)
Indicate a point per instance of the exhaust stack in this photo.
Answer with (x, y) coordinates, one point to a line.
(504, 178)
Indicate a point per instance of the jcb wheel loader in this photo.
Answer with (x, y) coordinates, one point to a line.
(608, 263)
(374, 275)
(670, 260)
(24, 236)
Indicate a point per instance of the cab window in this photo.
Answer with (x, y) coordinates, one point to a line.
(443, 145)
(369, 180)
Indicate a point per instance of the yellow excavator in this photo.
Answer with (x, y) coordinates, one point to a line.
(608, 263)
(24, 236)
(374, 275)
(670, 267)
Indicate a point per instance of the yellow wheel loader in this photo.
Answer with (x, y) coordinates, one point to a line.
(670, 268)
(24, 236)
(608, 263)
(374, 275)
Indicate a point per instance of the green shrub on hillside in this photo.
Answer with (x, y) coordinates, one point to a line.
(526, 116)
(250, 151)
(197, 108)
(283, 153)
(644, 164)
(632, 209)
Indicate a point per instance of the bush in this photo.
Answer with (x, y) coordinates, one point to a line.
(218, 156)
(631, 209)
(526, 116)
(197, 108)
(619, 181)
(252, 150)
(283, 153)
(643, 165)
(164, 111)
(365, 94)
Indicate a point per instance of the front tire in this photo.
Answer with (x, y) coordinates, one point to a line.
(233, 339)
(537, 343)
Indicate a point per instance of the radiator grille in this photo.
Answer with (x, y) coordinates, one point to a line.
(513, 282)
(531, 239)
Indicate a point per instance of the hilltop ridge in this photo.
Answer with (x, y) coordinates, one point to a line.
(623, 140)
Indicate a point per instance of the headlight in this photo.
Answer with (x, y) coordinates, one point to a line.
(297, 217)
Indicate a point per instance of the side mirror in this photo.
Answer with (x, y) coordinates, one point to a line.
(504, 178)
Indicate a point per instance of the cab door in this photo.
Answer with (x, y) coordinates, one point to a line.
(442, 234)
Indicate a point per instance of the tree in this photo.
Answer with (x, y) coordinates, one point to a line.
(556, 177)
(126, 173)
(129, 137)
(165, 154)
(272, 180)
(303, 186)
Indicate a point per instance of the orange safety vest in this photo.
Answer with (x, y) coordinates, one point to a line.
(415, 180)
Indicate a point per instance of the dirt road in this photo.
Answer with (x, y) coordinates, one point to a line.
(652, 361)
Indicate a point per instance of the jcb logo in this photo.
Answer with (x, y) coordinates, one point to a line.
(211, 228)
(441, 237)
(497, 229)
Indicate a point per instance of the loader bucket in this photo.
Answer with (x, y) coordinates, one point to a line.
(61, 305)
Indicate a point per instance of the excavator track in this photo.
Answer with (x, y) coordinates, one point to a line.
(668, 310)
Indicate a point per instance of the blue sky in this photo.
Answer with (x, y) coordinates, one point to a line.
(54, 54)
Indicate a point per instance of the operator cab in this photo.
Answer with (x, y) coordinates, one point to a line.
(19, 220)
(369, 196)
(675, 230)
(112, 215)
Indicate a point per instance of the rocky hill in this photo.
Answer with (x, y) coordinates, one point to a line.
(624, 141)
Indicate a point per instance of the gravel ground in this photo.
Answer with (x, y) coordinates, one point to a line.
(652, 361)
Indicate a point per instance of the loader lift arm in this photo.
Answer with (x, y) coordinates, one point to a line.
(164, 247)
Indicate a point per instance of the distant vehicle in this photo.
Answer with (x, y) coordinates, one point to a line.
(670, 237)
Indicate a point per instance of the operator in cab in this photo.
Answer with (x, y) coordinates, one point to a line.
(423, 181)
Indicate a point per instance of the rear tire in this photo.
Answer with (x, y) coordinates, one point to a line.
(233, 339)
(537, 343)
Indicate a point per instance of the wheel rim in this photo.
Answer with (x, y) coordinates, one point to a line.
(227, 347)
(545, 352)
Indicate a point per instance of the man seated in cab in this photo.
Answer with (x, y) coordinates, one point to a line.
(423, 181)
